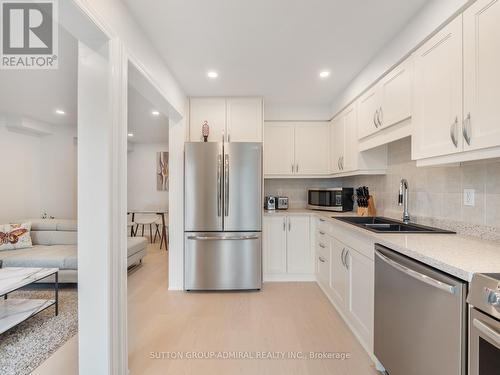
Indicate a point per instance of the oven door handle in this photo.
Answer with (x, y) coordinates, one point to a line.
(487, 331)
(417, 275)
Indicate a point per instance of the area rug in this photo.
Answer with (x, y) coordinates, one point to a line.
(24, 347)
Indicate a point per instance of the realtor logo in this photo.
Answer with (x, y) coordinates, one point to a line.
(29, 34)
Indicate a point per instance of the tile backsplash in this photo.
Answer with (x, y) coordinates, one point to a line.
(435, 193)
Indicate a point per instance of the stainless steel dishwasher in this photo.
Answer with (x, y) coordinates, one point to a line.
(420, 317)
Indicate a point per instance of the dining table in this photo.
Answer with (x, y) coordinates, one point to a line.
(160, 213)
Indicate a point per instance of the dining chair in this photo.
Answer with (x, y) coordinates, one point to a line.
(142, 220)
(159, 231)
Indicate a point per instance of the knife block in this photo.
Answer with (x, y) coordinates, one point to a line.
(370, 210)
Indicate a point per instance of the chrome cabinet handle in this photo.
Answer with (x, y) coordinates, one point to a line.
(345, 259)
(322, 220)
(297, 168)
(380, 117)
(453, 129)
(487, 331)
(322, 246)
(465, 129)
(226, 185)
(342, 163)
(321, 259)
(417, 275)
(292, 168)
(289, 225)
(284, 224)
(375, 116)
(322, 233)
(224, 238)
(219, 193)
(342, 256)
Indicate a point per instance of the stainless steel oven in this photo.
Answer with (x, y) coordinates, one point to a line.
(484, 325)
(330, 199)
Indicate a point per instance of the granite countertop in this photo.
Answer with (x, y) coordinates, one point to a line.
(457, 255)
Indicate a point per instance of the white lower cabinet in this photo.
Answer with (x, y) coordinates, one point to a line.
(360, 292)
(347, 278)
(274, 244)
(286, 247)
(338, 280)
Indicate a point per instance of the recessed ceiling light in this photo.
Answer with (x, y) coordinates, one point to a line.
(324, 74)
(60, 112)
(212, 74)
(155, 113)
(130, 134)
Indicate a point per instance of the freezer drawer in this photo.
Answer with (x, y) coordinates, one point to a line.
(222, 261)
(420, 317)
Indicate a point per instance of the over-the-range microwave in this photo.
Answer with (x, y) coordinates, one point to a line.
(330, 199)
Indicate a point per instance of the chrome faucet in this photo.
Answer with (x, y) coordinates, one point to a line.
(403, 200)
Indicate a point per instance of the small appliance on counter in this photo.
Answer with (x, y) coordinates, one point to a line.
(282, 203)
(270, 202)
(330, 199)
(365, 201)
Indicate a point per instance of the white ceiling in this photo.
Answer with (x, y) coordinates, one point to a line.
(145, 127)
(274, 48)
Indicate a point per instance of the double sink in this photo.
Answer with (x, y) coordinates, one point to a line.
(384, 225)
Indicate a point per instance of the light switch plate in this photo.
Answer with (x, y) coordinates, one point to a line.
(469, 197)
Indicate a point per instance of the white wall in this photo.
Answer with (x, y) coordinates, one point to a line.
(434, 14)
(141, 174)
(115, 16)
(38, 174)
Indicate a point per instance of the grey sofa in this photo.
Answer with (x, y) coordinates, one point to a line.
(55, 245)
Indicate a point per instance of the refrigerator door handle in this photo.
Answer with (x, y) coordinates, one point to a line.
(219, 192)
(223, 238)
(226, 185)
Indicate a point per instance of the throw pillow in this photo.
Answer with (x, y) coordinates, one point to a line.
(15, 236)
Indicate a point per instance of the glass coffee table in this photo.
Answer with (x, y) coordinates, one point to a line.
(14, 310)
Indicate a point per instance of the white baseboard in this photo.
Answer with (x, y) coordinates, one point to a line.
(286, 277)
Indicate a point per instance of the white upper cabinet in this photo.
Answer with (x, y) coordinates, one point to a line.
(346, 159)
(311, 149)
(369, 112)
(236, 119)
(296, 149)
(395, 95)
(482, 75)
(350, 157)
(337, 141)
(244, 119)
(279, 145)
(388, 102)
(212, 110)
(437, 114)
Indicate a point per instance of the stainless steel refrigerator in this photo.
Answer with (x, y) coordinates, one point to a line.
(222, 216)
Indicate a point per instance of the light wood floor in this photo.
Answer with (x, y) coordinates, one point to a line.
(284, 317)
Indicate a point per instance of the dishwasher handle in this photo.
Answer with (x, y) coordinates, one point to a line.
(417, 275)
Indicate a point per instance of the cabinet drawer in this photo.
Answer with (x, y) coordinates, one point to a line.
(323, 226)
(321, 236)
(323, 266)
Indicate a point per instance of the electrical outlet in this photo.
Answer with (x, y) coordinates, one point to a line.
(469, 197)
